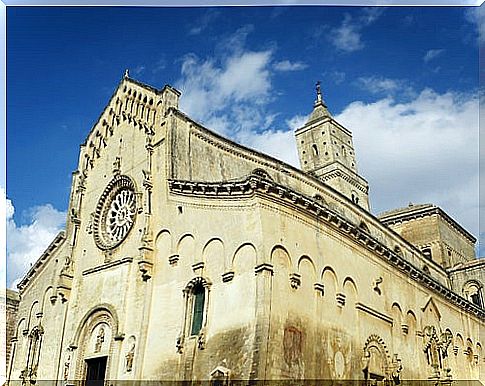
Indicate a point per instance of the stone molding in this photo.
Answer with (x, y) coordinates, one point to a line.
(390, 218)
(269, 189)
(373, 312)
(108, 265)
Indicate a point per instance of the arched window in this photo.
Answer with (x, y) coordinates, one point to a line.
(198, 294)
(473, 292)
(33, 355)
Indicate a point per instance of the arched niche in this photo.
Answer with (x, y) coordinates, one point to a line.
(244, 259)
(186, 249)
(280, 258)
(329, 281)
(163, 245)
(213, 255)
(376, 359)
(307, 270)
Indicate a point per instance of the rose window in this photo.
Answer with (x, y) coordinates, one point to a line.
(115, 213)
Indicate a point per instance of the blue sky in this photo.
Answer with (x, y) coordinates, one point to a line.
(403, 79)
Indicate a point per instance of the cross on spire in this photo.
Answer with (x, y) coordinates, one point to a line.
(319, 91)
(319, 100)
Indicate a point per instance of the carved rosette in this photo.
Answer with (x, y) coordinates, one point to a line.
(115, 213)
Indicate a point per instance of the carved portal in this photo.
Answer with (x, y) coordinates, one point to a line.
(375, 360)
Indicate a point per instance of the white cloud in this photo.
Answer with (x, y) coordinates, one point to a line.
(139, 69)
(297, 121)
(286, 65)
(433, 54)
(476, 16)
(347, 36)
(376, 85)
(424, 150)
(25, 243)
(279, 144)
(159, 66)
(230, 91)
(203, 22)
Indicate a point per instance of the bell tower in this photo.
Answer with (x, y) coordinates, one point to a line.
(326, 151)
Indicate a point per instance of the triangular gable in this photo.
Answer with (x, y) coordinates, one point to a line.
(431, 311)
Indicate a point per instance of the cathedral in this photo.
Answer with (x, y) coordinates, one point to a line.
(188, 257)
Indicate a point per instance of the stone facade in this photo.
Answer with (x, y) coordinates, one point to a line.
(189, 257)
(10, 304)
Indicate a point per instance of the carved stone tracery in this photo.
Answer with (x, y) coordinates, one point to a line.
(115, 213)
(436, 350)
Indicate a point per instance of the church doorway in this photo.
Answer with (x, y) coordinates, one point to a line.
(95, 371)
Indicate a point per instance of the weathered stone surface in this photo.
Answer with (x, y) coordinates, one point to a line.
(283, 276)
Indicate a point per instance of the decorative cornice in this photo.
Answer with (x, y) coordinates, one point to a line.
(363, 187)
(411, 213)
(469, 265)
(255, 184)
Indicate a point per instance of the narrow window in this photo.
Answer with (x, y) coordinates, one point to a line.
(315, 150)
(198, 309)
(427, 253)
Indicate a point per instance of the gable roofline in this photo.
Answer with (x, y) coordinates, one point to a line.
(56, 243)
(127, 79)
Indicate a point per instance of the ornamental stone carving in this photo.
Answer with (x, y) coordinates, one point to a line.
(115, 213)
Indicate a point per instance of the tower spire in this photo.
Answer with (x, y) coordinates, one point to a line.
(319, 107)
(319, 94)
(326, 152)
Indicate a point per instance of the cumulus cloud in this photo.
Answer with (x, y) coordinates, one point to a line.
(432, 54)
(25, 243)
(423, 150)
(347, 37)
(227, 92)
(381, 85)
(279, 144)
(286, 65)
